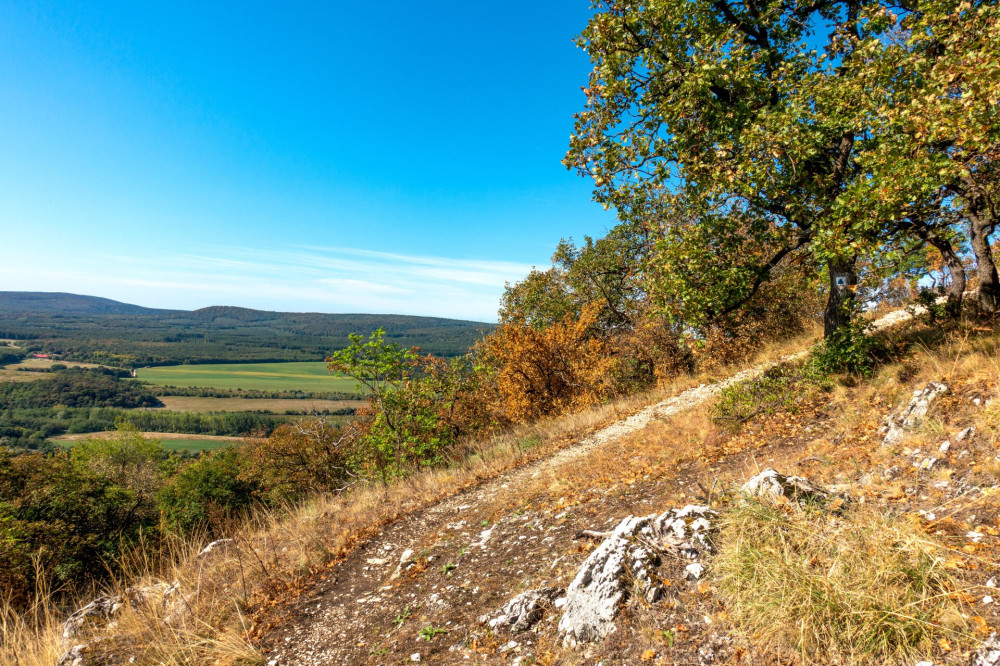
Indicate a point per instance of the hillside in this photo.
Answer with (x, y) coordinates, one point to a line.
(61, 303)
(640, 533)
(87, 328)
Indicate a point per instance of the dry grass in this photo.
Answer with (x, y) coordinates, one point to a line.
(859, 589)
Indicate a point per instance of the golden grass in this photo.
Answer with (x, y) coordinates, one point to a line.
(857, 589)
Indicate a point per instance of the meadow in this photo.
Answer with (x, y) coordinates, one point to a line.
(309, 376)
(15, 372)
(171, 441)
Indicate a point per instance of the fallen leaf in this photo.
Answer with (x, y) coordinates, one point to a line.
(648, 655)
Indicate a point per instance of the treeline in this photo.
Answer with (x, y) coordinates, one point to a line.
(200, 392)
(146, 337)
(30, 428)
(9, 355)
(77, 387)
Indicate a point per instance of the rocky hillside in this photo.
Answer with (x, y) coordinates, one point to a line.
(775, 517)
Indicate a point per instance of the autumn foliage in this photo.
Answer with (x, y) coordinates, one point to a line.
(552, 370)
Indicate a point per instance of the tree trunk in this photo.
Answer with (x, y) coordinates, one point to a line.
(956, 272)
(986, 268)
(840, 304)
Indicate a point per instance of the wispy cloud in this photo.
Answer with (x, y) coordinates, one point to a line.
(326, 279)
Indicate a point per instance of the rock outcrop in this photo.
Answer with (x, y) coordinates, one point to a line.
(897, 425)
(165, 595)
(771, 484)
(597, 591)
(624, 563)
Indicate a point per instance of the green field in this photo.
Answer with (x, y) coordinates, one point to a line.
(311, 376)
(171, 441)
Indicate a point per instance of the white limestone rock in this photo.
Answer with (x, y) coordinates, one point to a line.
(163, 595)
(771, 484)
(75, 656)
(897, 425)
(686, 532)
(596, 593)
(523, 611)
(630, 553)
(217, 546)
(988, 653)
(405, 562)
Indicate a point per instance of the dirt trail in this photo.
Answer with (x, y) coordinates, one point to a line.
(360, 613)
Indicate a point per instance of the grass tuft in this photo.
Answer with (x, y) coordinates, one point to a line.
(860, 589)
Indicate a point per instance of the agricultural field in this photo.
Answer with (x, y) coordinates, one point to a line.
(171, 441)
(311, 376)
(183, 403)
(15, 371)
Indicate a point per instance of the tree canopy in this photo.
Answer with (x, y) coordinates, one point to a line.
(755, 135)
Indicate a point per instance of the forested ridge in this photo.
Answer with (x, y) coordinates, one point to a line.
(85, 328)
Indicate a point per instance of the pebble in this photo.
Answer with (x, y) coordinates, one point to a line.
(416, 657)
(945, 445)
(987, 599)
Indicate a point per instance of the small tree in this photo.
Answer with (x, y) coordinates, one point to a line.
(380, 367)
(411, 403)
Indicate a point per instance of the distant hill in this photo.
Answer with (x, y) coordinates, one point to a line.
(88, 328)
(63, 303)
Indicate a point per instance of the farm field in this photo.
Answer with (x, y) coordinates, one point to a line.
(182, 403)
(311, 376)
(171, 441)
(11, 373)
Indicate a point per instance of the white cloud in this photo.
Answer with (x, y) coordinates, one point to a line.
(324, 279)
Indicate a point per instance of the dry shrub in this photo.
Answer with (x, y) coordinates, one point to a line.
(856, 589)
(784, 309)
(651, 353)
(551, 371)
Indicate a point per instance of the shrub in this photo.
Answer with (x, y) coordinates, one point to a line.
(849, 349)
(64, 521)
(301, 459)
(207, 493)
(548, 372)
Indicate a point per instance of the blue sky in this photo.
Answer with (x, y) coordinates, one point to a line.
(336, 157)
